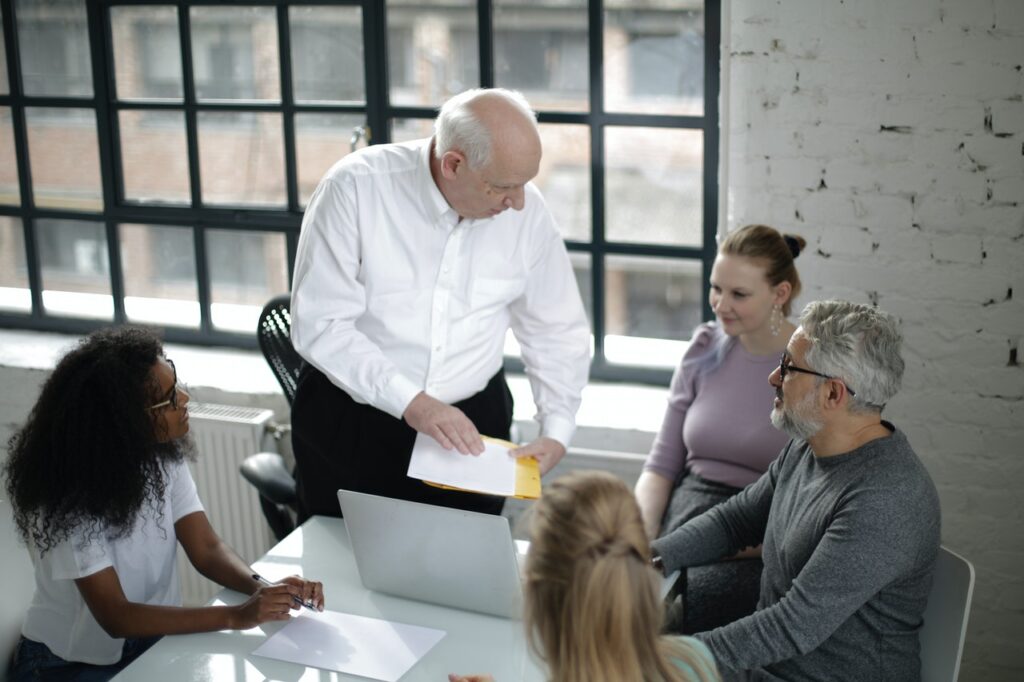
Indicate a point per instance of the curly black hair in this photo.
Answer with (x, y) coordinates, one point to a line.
(88, 456)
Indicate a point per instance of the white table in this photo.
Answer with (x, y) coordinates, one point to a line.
(320, 550)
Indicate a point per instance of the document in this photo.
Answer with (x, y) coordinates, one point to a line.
(355, 645)
(494, 472)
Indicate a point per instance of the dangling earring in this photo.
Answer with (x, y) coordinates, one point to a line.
(775, 321)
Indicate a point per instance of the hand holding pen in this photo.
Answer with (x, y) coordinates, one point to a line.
(310, 596)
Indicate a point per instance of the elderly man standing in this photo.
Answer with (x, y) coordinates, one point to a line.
(410, 271)
(848, 516)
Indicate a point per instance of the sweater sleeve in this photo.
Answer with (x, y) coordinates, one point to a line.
(668, 452)
(724, 529)
(870, 541)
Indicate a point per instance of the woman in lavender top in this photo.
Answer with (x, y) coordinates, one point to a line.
(716, 437)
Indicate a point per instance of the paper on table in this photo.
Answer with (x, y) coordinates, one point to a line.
(492, 472)
(374, 648)
(667, 583)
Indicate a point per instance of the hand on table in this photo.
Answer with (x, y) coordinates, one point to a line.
(548, 452)
(452, 677)
(273, 602)
(448, 425)
(312, 592)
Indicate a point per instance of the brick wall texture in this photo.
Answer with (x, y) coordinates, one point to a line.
(890, 135)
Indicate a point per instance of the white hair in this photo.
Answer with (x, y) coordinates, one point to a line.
(858, 344)
(458, 128)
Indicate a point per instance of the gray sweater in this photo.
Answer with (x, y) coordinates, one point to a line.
(850, 543)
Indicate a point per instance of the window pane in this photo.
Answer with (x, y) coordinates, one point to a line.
(14, 292)
(234, 53)
(147, 52)
(75, 268)
(246, 270)
(320, 140)
(327, 54)
(654, 58)
(540, 49)
(10, 192)
(408, 129)
(53, 41)
(651, 307)
(564, 177)
(159, 267)
(653, 185)
(433, 50)
(64, 158)
(241, 158)
(154, 156)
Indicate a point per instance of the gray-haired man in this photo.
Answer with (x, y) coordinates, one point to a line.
(848, 516)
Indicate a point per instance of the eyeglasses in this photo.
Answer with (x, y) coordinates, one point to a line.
(784, 368)
(175, 390)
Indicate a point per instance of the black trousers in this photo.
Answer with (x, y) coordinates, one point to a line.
(339, 443)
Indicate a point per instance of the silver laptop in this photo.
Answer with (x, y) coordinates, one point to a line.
(451, 557)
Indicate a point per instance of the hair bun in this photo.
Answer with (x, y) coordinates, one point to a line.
(793, 243)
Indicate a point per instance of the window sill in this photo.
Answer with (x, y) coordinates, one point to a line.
(217, 373)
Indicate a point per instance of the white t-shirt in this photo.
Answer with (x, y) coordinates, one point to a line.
(145, 564)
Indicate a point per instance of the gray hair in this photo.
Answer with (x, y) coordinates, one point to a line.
(858, 344)
(457, 127)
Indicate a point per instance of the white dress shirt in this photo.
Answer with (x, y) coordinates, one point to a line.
(145, 561)
(394, 295)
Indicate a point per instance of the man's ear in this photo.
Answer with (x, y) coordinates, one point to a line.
(837, 390)
(450, 162)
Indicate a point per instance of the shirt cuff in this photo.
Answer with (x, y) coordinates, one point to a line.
(397, 395)
(559, 428)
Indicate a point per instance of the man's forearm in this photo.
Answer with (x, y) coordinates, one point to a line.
(700, 541)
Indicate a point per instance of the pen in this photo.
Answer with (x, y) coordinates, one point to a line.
(263, 581)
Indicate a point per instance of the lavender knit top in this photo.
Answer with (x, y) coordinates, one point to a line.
(717, 424)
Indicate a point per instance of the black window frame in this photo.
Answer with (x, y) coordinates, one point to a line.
(378, 114)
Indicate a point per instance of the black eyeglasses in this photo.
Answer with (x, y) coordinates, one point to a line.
(784, 368)
(177, 388)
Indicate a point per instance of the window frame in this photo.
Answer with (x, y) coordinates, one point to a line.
(378, 113)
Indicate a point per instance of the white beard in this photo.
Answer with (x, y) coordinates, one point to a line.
(798, 420)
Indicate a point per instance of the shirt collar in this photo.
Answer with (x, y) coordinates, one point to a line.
(434, 202)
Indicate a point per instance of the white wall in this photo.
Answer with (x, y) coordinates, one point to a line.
(890, 135)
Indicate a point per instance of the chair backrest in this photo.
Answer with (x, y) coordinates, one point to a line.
(274, 335)
(19, 585)
(945, 618)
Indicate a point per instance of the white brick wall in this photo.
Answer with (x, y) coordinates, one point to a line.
(891, 136)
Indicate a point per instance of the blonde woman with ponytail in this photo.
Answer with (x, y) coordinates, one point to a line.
(592, 611)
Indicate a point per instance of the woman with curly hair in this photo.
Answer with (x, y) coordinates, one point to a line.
(102, 496)
(592, 611)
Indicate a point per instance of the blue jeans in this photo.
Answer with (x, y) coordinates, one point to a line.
(34, 661)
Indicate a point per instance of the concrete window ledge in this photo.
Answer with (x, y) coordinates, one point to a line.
(613, 418)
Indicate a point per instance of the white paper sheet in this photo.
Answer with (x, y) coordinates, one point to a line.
(355, 645)
(667, 584)
(494, 471)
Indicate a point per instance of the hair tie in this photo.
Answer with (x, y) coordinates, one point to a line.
(793, 244)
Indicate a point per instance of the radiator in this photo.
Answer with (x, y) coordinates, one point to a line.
(224, 436)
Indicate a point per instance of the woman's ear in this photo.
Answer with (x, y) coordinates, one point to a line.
(783, 290)
(159, 424)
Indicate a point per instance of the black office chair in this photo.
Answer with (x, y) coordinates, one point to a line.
(266, 471)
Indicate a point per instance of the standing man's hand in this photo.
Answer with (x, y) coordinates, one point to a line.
(448, 425)
(548, 452)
